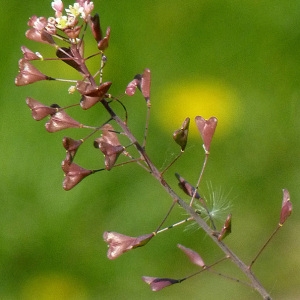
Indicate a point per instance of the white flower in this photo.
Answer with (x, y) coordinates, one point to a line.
(62, 22)
(74, 10)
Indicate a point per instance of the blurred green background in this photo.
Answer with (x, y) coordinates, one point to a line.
(237, 60)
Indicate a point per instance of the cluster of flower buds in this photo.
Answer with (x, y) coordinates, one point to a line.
(68, 26)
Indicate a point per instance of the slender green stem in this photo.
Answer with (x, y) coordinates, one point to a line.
(264, 246)
(200, 177)
(165, 218)
(174, 225)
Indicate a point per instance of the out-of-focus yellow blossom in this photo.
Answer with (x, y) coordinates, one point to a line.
(205, 98)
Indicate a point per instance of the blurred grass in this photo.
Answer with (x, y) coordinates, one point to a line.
(51, 240)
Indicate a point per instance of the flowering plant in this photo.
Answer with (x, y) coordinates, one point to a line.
(65, 32)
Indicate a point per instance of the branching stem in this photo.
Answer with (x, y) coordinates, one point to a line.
(158, 176)
(210, 232)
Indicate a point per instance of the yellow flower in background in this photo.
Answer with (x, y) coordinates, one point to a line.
(205, 98)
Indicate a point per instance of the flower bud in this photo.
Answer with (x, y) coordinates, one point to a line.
(132, 85)
(73, 174)
(29, 55)
(187, 187)
(180, 136)
(109, 145)
(207, 129)
(286, 208)
(119, 243)
(39, 36)
(29, 74)
(226, 229)
(39, 111)
(96, 28)
(103, 44)
(61, 120)
(157, 284)
(145, 85)
(71, 146)
(194, 257)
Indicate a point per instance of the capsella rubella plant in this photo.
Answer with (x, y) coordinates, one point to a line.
(65, 32)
